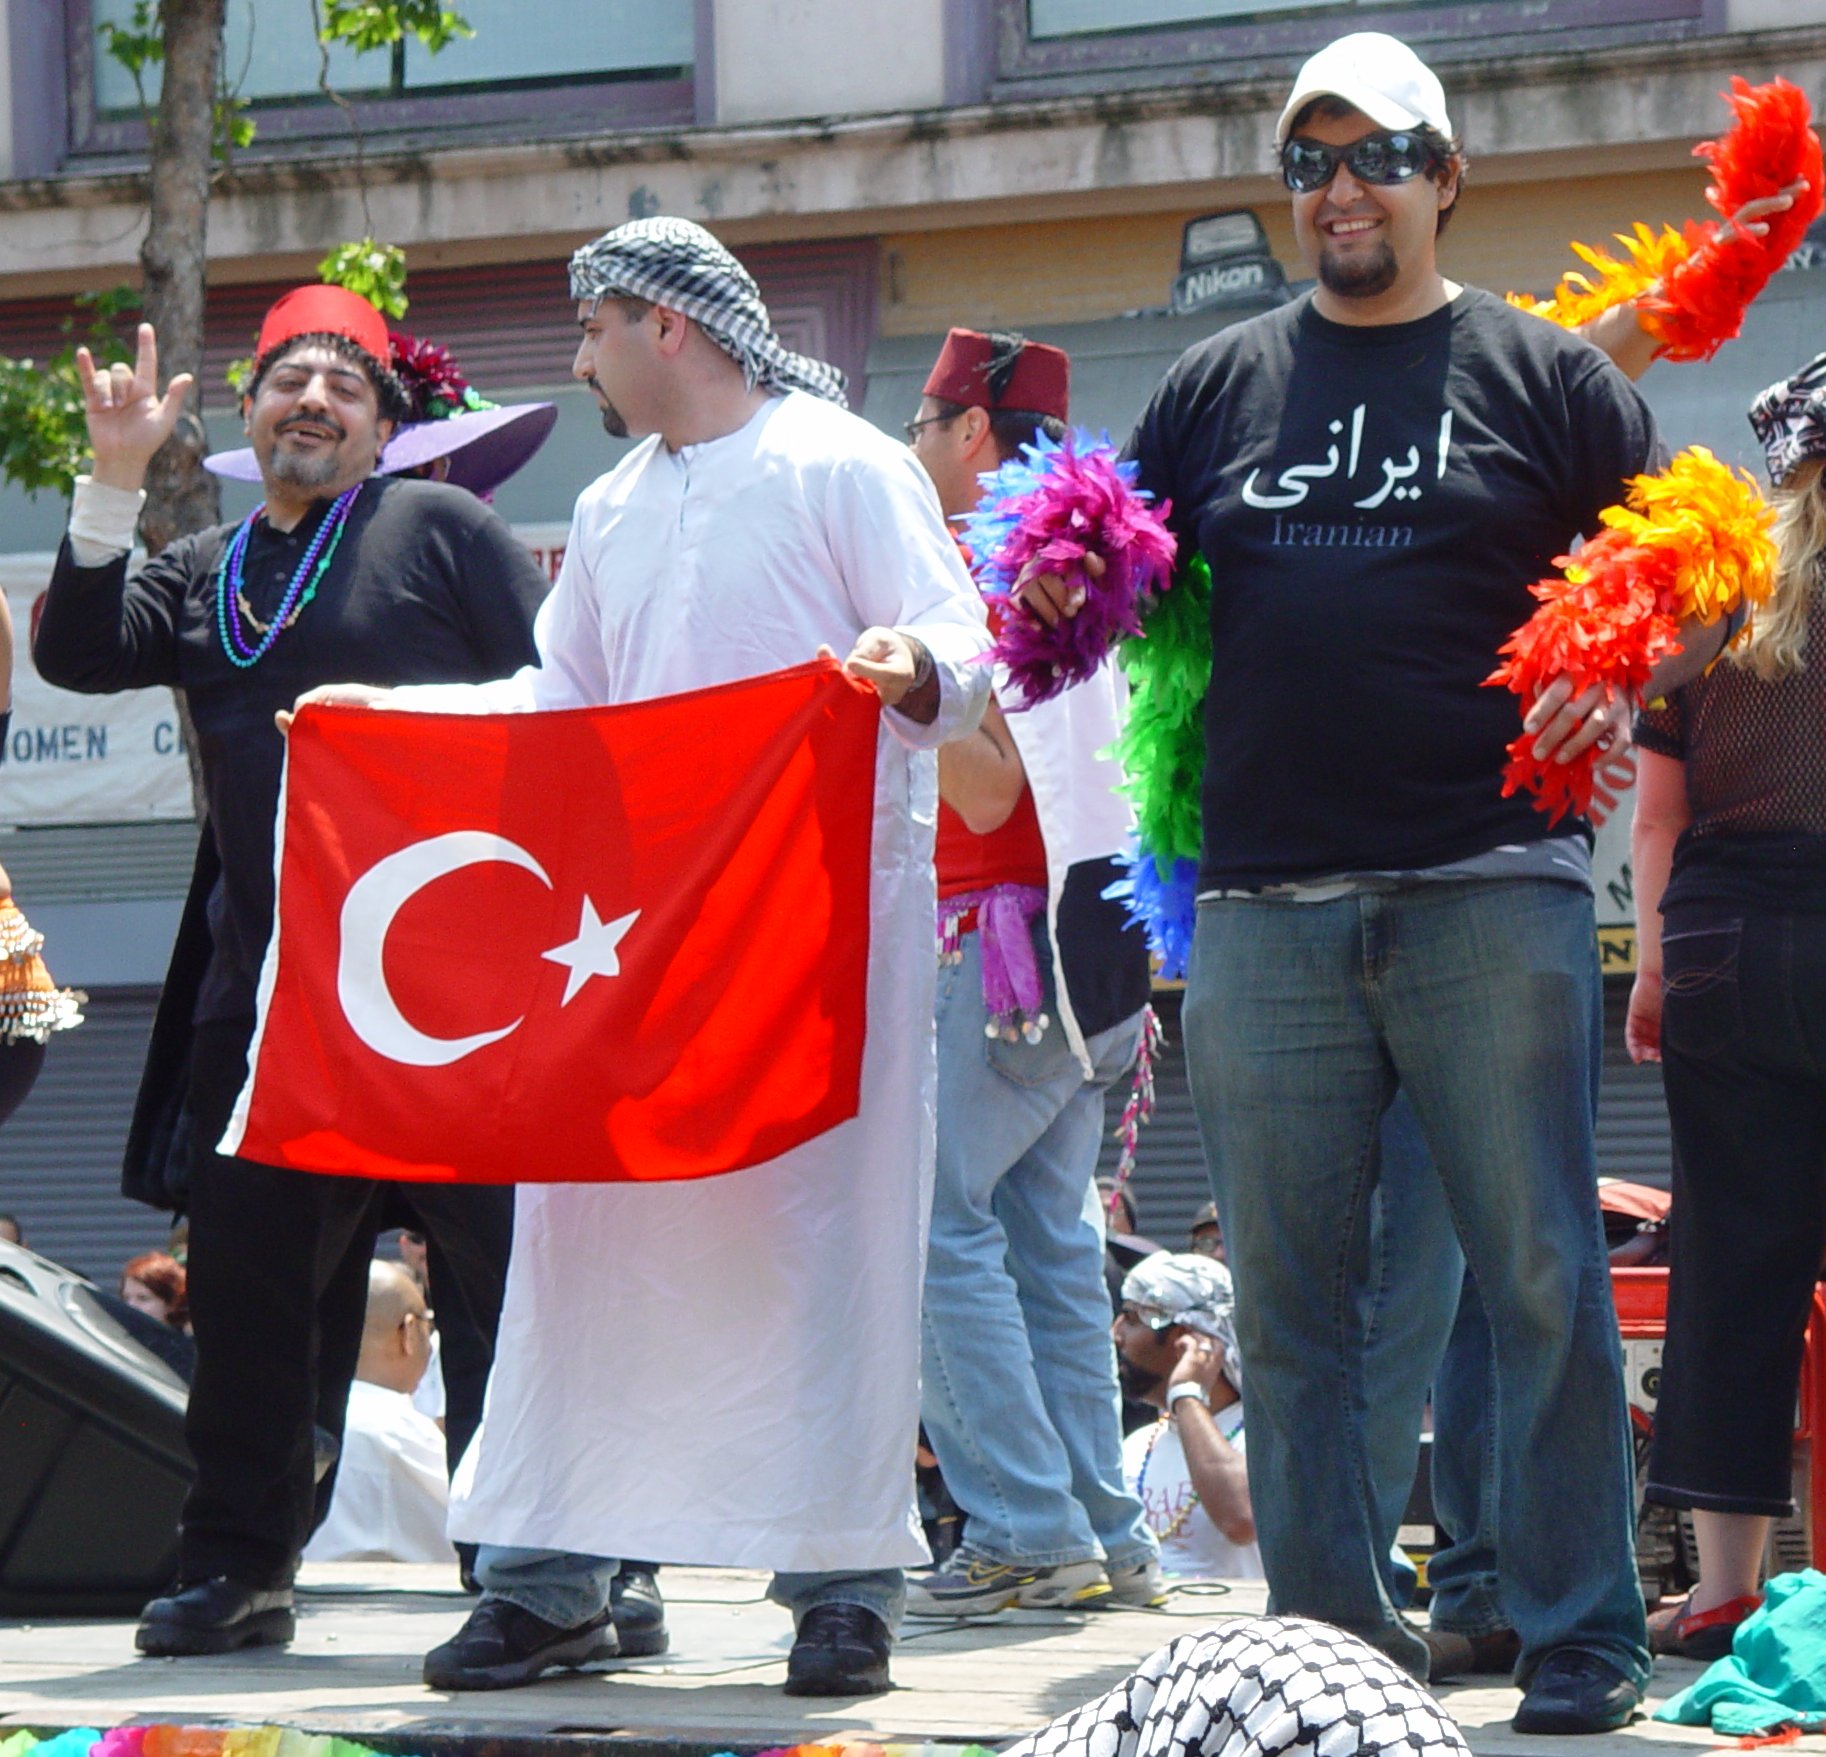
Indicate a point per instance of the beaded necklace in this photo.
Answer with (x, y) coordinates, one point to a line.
(1178, 1522)
(232, 607)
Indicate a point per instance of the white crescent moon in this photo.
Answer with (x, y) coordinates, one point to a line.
(367, 914)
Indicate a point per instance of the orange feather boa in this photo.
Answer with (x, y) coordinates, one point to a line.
(1688, 545)
(1692, 288)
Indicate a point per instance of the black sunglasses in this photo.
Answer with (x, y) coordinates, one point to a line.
(1384, 158)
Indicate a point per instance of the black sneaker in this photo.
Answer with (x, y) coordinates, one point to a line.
(840, 1650)
(638, 1611)
(216, 1616)
(1576, 1692)
(502, 1646)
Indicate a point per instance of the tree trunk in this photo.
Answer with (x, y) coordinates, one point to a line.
(181, 495)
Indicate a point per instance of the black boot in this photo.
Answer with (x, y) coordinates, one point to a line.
(216, 1616)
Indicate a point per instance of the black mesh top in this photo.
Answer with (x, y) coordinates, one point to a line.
(1755, 756)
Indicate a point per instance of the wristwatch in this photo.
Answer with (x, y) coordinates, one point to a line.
(1176, 1392)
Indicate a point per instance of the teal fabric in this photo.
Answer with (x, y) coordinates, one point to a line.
(1774, 1675)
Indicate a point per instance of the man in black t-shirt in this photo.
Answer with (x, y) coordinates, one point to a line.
(341, 573)
(1375, 473)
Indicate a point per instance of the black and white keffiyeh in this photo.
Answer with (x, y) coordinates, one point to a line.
(1189, 1288)
(1257, 1687)
(1790, 420)
(674, 263)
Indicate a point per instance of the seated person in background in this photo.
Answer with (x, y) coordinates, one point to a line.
(10, 1230)
(1176, 1349)
(391, 1496)
(1207, 1235)
(155, 1284)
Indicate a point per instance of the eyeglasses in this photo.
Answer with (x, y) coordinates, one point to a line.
(1383, 159)
(911, 428)
(1151, 1316)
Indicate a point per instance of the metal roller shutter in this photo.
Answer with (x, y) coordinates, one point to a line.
(60, 1153)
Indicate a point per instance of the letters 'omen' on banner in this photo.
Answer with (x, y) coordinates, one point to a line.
(603, 945)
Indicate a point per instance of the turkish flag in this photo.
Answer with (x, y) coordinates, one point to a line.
(602, 945)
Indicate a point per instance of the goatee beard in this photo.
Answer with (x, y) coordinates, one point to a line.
(1362, 277)
(301, 470)
(1137, 1382)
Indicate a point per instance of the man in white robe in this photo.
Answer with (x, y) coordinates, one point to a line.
(727, 1372)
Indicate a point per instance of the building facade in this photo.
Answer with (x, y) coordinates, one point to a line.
(1097, 173)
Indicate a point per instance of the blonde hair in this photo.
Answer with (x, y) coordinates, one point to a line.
(1775, 644)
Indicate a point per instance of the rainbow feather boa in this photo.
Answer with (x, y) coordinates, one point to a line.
(164, 1740)
(1692, 288)
(1046, 509)
(1690, 544)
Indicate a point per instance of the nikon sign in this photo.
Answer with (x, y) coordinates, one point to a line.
(1224, 260)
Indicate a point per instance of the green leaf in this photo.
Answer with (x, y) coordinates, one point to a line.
(375, 270)
(379, 24)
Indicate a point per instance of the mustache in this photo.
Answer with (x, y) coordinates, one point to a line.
(317, 423)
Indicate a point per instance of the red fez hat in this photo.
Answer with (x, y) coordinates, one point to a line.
(1040, 383)
(315, 310)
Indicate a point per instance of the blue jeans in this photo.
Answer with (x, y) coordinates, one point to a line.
(1479, 999)
(1019, 1398)
(568, 1589)
(1411, 1295)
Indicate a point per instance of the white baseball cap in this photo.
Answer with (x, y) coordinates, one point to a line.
(1376, 74)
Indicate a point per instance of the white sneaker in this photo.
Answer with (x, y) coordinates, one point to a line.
(1139, 1583)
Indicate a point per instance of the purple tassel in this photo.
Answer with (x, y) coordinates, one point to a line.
(1012, 989)
(1047, 512)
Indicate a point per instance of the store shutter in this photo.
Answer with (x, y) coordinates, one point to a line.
(60, 1153)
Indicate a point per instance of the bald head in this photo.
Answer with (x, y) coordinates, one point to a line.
(396, 1336)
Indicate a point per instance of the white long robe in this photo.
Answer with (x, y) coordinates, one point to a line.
(728, 1371)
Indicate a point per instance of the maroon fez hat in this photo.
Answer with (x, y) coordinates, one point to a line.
(1040, 383)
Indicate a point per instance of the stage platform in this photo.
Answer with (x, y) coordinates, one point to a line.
(354, 1670)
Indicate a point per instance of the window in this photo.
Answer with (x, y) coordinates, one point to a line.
(530, 64)
(1067, 44)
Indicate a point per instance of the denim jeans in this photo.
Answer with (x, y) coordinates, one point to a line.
(1019, 1395)
(1480, 1000)
(568, 1589)
(1411, 1296)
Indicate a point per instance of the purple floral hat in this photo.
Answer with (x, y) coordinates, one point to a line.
(484, 442)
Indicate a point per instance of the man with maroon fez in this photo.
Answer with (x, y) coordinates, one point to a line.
(1020, 1398)
(341, 573)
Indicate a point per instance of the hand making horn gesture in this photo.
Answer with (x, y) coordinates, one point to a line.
(128, 419)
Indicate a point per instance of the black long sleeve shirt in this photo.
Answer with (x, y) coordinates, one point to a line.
(427, 586)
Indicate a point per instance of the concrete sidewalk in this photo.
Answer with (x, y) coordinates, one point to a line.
(363, 1630)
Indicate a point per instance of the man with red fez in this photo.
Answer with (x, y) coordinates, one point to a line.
(341, 573)
(1041, 1005)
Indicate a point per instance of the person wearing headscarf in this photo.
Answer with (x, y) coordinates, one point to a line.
(1729, 857)
(1176, 1349)
(727, 1371)
(339, 571)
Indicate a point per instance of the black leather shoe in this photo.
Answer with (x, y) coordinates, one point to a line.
(840, 1650)
(216, 1616)
(1576, 1692)
(638, 1612)
(502, 1646)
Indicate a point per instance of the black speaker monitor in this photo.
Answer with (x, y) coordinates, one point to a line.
(93, 1466)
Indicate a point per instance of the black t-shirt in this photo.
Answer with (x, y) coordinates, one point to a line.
(427, 586)
(1374, 502)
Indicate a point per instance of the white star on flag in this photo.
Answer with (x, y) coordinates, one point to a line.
(592, 952)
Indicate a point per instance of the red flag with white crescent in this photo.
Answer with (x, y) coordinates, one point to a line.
(600, 945)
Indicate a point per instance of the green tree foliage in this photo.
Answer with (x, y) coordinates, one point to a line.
(43, 440)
